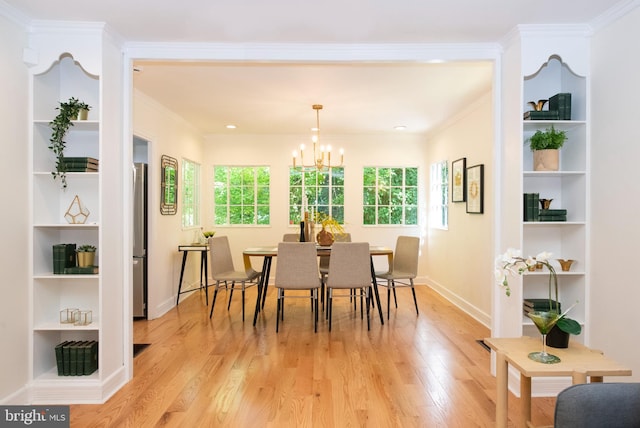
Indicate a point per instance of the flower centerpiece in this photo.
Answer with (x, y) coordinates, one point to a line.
(330, 228)
(511, 263)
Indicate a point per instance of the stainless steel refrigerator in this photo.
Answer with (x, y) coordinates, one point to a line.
(140, 241)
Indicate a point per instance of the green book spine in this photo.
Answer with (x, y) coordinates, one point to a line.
(553, 212)
(80, 160)
(60, 358)
(562, 103)
(541, 115)
(553, 218)
(59, 260)
(81, 270)
(66, 358)
(80, 358)
(80, 169)
(525, 207)
(73, 358)
(90, 357)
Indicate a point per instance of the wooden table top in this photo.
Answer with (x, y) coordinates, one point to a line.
(575, 358)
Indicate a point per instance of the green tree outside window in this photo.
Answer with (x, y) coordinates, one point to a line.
(241, 195)
(390, 196)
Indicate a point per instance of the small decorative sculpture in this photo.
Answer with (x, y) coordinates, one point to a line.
(77, 213)
(565, 264)
(539, 105)
(545, 204)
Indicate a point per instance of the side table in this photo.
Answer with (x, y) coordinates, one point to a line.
(203, 249)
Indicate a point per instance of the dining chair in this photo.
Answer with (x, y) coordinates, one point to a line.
(404, 268)
(349, 269)
(297, 269)
(323, 265)
(291, 237)
(222, 270)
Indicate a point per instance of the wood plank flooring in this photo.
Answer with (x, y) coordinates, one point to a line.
(414, 371)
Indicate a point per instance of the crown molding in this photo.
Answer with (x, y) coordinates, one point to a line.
(14, 15)
(613, 14)
(313, 52)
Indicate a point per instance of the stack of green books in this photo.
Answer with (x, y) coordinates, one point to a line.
(81, 270)
(64, 256)
(80, 164)
(544, 305)
(562, 104)
(553, 215)
(76, 357)
(541, 115)
(531, 208)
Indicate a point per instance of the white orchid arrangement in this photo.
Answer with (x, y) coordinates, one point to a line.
(512, 262)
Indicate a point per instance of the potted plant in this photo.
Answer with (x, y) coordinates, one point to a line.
(86, 255)
(330, 228)
(545, 145)
(67, 112)
(512, 262)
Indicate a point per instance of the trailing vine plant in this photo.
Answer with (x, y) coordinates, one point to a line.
(68, 111)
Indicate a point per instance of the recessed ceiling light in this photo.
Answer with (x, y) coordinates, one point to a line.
(231, 127)
(400, 127)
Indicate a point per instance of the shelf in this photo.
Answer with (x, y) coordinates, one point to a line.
(52, 375)
(56, 326)
(552, 174)
(50, 275)
(78, 125)
(553, 223)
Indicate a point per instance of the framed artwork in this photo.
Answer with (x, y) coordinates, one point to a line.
(168, 185)
(458, 175)
(475, 189)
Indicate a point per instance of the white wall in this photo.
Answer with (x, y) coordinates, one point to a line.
(459, 261)
(615, 152)
(169, 135)
(15, 217)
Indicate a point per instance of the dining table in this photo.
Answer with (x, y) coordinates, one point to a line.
(269, 252)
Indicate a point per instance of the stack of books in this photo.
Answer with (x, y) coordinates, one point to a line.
(540, 115)
(559, 109)
(77, 358)
(72, 164)
(553, 215)
(531, 207)
(544, 305)
(82, 270)
(64, 257)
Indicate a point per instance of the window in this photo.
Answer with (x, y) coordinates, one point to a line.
(390, 196)
(241, 195)
(439, 210)
(190, 194)
(322, 191)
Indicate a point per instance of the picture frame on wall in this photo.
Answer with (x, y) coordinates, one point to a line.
(474, 191)
(458, 179)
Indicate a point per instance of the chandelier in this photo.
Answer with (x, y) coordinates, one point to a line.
(321, 153)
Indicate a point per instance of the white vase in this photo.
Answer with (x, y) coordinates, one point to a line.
(546, 160)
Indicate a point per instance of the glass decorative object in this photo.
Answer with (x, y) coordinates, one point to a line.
(68, 315)
(84, 317)
(77, 213)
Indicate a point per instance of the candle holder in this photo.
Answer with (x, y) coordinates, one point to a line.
(68, 315)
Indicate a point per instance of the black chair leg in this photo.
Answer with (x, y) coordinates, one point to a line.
(243, 302)
(233, 285)
(395, 298)
(329, 307)
(415, 301)
(213, 303)
(388, 302)
(278, 311)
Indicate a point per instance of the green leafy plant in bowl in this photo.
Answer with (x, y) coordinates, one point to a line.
(550, 138)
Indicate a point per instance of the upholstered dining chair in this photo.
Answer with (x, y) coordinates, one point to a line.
(297, 269)
(222, 270)
(405, 268)
(596, 404)
(323, 265)
(291, 237)
(349, 269)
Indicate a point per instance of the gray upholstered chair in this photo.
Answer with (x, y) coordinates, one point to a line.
(324, 265)
(291, 237)
(222, 270)
(349, 269)
(405, 268)
(598, 405)
(297, 269)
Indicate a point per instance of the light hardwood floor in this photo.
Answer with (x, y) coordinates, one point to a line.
(415, 371)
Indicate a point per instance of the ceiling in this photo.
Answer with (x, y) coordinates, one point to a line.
(277, 97)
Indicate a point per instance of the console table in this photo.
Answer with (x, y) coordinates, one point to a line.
(203, 249)
(576, 361)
